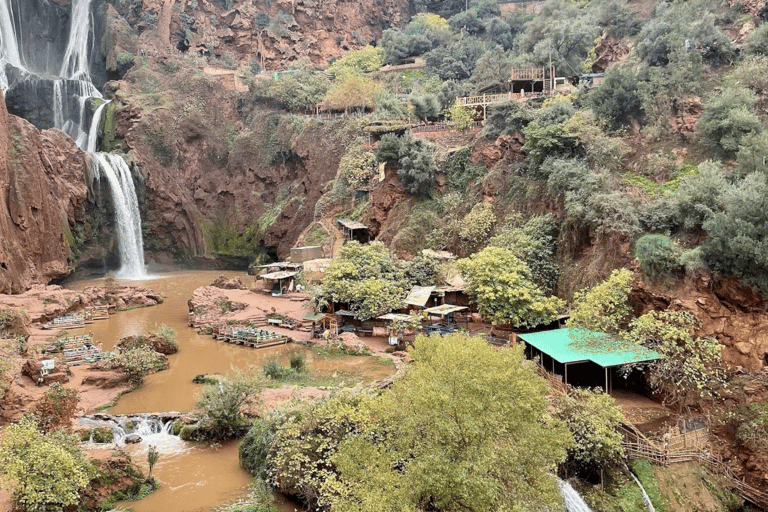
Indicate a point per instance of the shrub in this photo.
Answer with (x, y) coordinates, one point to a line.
(699, 195)
(477, 224)
(45, 471)
(617, 102)
(57, 407)
(136, 362)
(298, 362)
(218, 408)
(657, 255)
(728, 119)
(255, 446)
(274, 370)
(757, 41)
(605, 307)
(168, 334)
(418, 169)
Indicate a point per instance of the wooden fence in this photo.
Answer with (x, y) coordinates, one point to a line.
(687, 447)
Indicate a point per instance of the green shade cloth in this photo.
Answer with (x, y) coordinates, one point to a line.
(569, 345)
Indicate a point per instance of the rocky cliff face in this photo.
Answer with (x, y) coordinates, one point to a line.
(732, 313)
(270, 33)
(42, 191)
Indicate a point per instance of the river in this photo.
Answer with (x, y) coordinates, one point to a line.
(198, 477)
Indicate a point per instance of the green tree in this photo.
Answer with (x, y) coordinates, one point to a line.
(737, 236)
(534, 244)
(45, 471)
(367, 277)
(690, 368)
(502, 287)
(351, 92)
(605, 307)
(657, 255)
(699, 195)
(300, 91)
(593, 418)
(417, 166)
(460, 117)
(617, 102)
(728, 119)
(466, 428)
(218, 407)
(357, 62)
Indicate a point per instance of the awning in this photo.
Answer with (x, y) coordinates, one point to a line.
(352, 224)
(419, 295)
(313, 317)
(283, 274)
(445, 309)
(394, 316)
(568, 345)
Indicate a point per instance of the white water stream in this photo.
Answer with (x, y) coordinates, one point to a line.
(646, 498)
(573, 500)
(73, 87)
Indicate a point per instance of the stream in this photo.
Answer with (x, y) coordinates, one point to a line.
(197, 477)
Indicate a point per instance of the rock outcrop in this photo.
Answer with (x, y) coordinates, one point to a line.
(733, 313)
(271, 34)
(42, 193)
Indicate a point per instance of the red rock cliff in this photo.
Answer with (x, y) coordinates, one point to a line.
(42, 189)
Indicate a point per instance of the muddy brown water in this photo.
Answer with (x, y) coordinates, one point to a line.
(197, 477)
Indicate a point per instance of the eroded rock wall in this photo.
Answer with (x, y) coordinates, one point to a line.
(271, 33)
(732, 313)
(42, 191)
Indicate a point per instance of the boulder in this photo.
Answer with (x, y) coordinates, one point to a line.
(32, 368)
(229, 284)
(132, 439)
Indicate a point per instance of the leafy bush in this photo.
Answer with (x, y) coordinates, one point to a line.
(699, 195)
(168, 334)
(533, 243)
(617, 102)
(418, 169)
(605, 307)
(757, 41)
(690, 368)
(657, 255)
(728, 119)
(502, 287)
(545, 135)
(737, 235)
(57, 407)
(136, 362)
(44, 471)
(300, 91)
(364, 60)
(274, 370)
(593, 418)
(298, 362)
(476, 225)
(218, 408)
(751, 424)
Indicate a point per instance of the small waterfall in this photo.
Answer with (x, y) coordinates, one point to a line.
(573, 500)
(128, 220)
(152, 430)
(646, 499)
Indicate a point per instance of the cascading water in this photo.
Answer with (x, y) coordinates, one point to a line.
(152, 430)
(646, 498)
(127, 216)
(573, 500)
(72, 94)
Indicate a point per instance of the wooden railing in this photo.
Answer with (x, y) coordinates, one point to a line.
(490, 99)
(636, 445)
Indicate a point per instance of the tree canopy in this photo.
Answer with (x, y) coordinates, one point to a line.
(45, 471)
(502, 286)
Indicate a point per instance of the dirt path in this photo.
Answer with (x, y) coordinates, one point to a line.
(338, 237)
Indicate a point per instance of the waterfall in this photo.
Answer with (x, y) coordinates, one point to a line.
(9, 46)
(646, 498)
(73, 93)
(75, 66)
(573, 500)
(127, 217)
(152, 429)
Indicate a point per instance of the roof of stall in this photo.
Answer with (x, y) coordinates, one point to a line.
(276, 276)
(419, 295)
(445, 309)
(351, 224)
(569, 345)
(394, 316)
